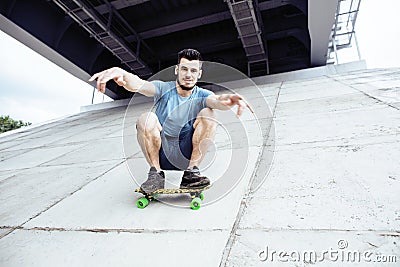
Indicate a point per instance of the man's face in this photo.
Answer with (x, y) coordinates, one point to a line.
(188, 72)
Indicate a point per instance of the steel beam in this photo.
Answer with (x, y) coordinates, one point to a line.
(119, 4)
(249, 30)
(214, 18)
(94, 25)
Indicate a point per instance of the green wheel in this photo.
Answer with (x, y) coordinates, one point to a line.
(195, 204)
(201, 196)
(142, 203)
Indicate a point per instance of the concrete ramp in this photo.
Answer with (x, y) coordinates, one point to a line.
(331, 153)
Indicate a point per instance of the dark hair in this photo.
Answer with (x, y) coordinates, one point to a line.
(190, 54)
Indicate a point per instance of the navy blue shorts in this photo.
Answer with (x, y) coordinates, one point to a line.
(175, 152)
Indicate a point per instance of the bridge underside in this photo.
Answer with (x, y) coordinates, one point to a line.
(255, 37)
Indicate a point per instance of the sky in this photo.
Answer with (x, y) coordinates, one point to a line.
(35, 90)
(378, 34)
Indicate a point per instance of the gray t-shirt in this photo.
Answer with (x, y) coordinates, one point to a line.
(176, 113)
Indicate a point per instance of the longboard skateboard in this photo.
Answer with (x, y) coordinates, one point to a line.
(196, 194)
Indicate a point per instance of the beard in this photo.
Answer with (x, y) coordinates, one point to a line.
(186, 88)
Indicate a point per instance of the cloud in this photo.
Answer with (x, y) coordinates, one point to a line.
(378, 32)
(27, 111)
(34, 89)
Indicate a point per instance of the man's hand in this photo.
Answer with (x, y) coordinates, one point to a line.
(231, 100)
(117, 74)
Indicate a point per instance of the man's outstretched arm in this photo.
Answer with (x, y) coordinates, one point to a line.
(129, 81)
(227, 101)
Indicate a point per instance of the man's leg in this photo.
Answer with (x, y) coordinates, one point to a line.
(148, 136)
(205, 127)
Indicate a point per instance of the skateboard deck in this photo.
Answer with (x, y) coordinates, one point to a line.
(196, 194)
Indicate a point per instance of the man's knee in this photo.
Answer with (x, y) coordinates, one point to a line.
(147, 122)
(206, 117)
(207, 112)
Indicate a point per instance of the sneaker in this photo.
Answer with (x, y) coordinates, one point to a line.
(193, 179)
(155, 181)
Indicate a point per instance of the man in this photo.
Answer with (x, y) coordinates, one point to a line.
(182, 124)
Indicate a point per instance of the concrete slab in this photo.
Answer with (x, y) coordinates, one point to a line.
(109, 202)
(82, 248)
(241, 134)
(47, 136)
(263, 247)
(6, 174)
(313, 73)
(386, 90)
(32, 191)
(91, 134)
(340, 125)
(10, 143)
(6, 154)
(392, 82)
(305, 92)
(383, 78)
(335, 181)
(386, 95)
(346, 102)
(4, 231)
(127, 130)
(335, 177)
(341, 143)
(375, 81)
(32, 143)
(27, 130)
(352, 186)
(396, 105)
(322, 80)
(36, 157)
(100, 150)
(262, 99)
(11, 135)
(257, 90)
(134, 109)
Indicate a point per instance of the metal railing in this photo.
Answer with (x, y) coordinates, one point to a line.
(343, 31)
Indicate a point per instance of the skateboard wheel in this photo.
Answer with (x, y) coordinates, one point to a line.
(195, 204)
(201, 196)
(142, 203)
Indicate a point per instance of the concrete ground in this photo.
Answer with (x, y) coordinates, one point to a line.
(317, 187)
